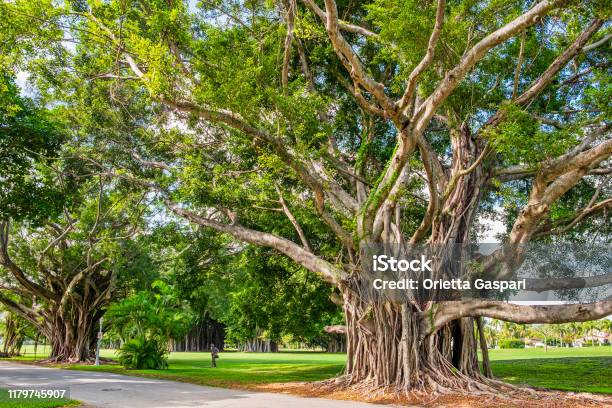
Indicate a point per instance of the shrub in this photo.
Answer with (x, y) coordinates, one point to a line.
(511, 343)
(143, 354)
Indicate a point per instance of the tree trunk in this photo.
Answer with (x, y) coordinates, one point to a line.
(258, 345)
(73, 339)
(486, 365)
(13, 336)
(335, 343)
(385, 349)
(201, 336)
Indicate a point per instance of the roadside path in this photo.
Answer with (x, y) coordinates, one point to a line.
(98, 389)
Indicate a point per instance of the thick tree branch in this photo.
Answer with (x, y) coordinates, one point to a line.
(452, 183)
(359, 98)
(106, 293)
(436, 182)
(337, 329)
(544, 284)
(350, 28)
(600, 171)
(474, 55)
(547, 76)
(293, 220)
(597, 44)
(352, 62)
(579, 156)
(289, 20)
(312, 176)
(15, 270)
(517, 172)
(30, 315)
(565, 225)
(427, 59)
(519, 66)
(444, 312)
(389, 204)
(333, 187)
(391, 178)
(307, 259)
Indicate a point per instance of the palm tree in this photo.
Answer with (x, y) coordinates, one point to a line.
(574, 330)
(589, 327)
(559, 331)
(491, 334)
(547, 331)
(605, 326)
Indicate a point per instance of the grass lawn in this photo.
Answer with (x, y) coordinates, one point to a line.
(577, 369)
(242, 370)
(572, 369)
(5, 402)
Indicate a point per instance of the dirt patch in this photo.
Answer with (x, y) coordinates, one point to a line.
(521, 398)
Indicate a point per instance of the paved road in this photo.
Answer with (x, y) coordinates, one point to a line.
(99, 389)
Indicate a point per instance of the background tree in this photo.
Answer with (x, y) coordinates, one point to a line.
(492, 332)
(273, 298)
(194, 261)
(587, 329)
(259, 296)
(547, 334)
(605, 326)
(15, 330)
(70, 265)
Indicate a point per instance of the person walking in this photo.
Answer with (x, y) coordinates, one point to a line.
(214, 354)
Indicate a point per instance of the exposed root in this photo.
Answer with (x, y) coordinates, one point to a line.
(388, 360)
(504, 395)
(88, 361)
(63, 360)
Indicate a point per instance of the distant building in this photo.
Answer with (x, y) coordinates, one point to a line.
(595, 337)
(533, 342)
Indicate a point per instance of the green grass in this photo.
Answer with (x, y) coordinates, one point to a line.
(553, 352)
(576, 369)
(587, 369)
(5, 402)
(240, 369)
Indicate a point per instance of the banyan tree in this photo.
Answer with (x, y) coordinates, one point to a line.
(329, 129)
